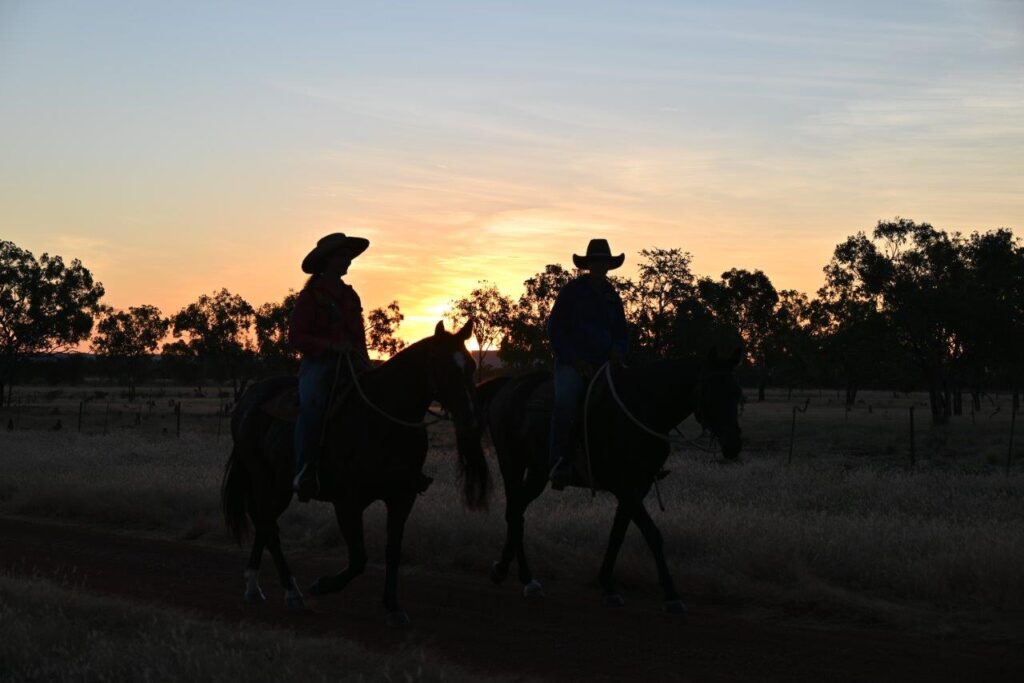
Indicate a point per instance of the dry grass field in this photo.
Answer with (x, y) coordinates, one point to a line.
(847, 532)
(51, 632)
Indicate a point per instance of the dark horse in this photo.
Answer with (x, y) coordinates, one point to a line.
(630, 414)
(374, 448)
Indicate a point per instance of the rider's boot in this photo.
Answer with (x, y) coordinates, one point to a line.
(307, 482)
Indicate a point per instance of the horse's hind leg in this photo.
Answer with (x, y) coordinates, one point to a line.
(606, 578)
(398, 513)
(536, 480)
(654, 540)
(513, 480)
(253, 592)
(350, 522)
(272, 538)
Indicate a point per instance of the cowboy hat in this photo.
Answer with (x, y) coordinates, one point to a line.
(598, 249)
(326, 246)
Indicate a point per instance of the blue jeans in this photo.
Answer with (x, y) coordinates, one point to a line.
(315, 377)
(568, 388)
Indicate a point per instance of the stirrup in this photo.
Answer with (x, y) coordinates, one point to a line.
(305, 486)
(561, 475)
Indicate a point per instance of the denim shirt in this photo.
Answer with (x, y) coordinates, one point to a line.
(586, 324)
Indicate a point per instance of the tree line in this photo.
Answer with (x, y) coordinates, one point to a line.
(48, 308)
(904, 306)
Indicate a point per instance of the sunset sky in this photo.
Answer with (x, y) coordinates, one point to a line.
(177, 148)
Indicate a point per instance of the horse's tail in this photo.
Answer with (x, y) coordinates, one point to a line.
(234, 495)
(474, 474)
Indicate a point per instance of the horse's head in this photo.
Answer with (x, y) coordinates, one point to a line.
(716, 401)
(451, 371)
(451, 374)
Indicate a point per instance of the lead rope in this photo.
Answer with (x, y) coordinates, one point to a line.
(371, 404)
(586, 430)
(607, 370)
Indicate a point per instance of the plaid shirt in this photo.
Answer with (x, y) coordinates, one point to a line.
(323, 316)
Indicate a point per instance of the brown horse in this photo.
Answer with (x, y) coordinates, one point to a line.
(375, 444)
(629, 417)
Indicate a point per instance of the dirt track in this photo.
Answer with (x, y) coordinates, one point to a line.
(568, 635)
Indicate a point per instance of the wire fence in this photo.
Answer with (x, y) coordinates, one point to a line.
(892, 425)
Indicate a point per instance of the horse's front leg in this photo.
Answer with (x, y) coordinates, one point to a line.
(618, 534)
(253, 592)
(654, 540)
(350, 522)
(399, 508)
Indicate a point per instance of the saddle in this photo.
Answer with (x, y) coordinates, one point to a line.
(539, 407)
(284, 405)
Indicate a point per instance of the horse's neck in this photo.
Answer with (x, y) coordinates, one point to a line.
(400, 385)
(665, 389)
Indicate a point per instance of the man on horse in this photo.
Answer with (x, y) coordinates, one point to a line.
(327, 323)
(587, 328)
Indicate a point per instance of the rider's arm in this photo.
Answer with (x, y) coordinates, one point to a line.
(303, 332)
(559, 326)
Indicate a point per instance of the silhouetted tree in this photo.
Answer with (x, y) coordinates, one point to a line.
(128, 337)
(274, 351)
(653, 301)
(381, 326)
(525, 340)
(991, 306)
(746, 301)
(217, 331)
(791, 348)
(489, 310)
(915, 275)
(46, 306)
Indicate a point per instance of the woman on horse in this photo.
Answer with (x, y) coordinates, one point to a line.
(587, 328)
(327, 323)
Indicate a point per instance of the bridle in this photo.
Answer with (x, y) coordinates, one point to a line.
(373, 406)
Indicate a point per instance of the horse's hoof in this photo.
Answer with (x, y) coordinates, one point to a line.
(498, 573)
(675, 607)
(398, 618)
(533, 589)
(614, 600)
(255, 597)
(293, 596)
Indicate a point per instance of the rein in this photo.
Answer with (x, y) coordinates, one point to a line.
(606, 370)
(381, 411)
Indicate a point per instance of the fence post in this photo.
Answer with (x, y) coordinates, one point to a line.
(913, 449)
(1009, 451)
(792, 436)
(177, 419)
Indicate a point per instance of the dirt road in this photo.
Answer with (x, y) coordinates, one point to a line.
(569, 635)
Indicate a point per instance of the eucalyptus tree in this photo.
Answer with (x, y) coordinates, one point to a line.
(128, 338)
(46, 307)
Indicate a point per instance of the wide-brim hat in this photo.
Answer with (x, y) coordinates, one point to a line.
(598, 249)
(313, 263)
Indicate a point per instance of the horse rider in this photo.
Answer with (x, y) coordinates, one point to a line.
(326, 323)
(587, 328)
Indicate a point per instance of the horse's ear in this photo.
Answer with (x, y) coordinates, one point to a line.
(467, 330)
(439, 328)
